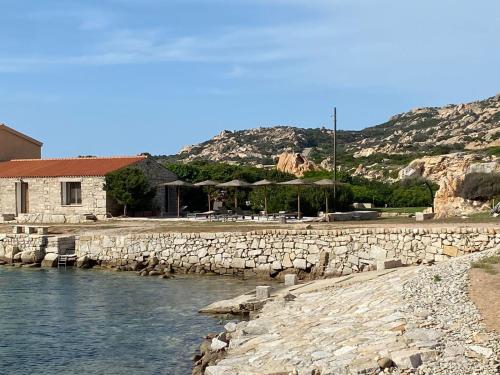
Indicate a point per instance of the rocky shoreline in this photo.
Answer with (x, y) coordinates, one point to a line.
(411, 320)
(414, 320)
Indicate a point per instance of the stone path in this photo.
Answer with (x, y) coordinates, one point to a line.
(419, 318)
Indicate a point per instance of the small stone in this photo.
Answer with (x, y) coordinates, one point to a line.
(481, 338)
(385, 363)
(230, 327)
(217, 344)
(407, 358)
(290, 280)
(451, 251)
(388, 264)
(262, 292)
(484, 351)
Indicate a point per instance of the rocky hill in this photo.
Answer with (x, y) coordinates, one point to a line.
(406, 136)
(262, 145)
(441, 144)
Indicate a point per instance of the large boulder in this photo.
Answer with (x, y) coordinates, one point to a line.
(50, 260)
(85, 262)
(32, 256)
(295, 163)
(449, 171)
(10, 252)
(447, 201)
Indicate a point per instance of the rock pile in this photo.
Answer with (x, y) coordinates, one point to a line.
(143, 266)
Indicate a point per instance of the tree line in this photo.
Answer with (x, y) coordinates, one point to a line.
(131, 189)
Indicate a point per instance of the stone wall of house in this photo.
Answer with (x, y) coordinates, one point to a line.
(165, 202)
(45, 199)
(32, 248)
(268, 252)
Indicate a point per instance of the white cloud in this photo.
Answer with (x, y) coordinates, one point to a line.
(344, 42)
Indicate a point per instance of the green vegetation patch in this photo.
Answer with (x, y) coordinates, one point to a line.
(480, 186)
(486, 264)
(494, 151)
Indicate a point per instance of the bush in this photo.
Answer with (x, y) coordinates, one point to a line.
(130, 188)
(495, 151)
(480, 186)
(412, 196)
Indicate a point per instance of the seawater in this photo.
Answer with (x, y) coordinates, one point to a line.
(96, 322)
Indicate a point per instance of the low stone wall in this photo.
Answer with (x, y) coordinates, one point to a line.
(268, 252)
(59, 218)
(33, 248)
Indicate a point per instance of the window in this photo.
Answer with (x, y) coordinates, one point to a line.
(71, 193)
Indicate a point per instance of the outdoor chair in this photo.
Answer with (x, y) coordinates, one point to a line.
(225, 215)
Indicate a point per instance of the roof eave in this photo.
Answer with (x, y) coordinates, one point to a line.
(21, 135)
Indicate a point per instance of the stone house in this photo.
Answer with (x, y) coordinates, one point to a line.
(15, 145)
(71, 190)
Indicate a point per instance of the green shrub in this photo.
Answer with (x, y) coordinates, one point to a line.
(480, 186)
(130, 188)
(494, 151)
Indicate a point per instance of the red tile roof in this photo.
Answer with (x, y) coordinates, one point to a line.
(77, 167)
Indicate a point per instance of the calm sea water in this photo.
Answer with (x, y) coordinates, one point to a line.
(97, 322)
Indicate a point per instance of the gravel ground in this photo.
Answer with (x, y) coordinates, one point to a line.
(443, 320)
(116, 226)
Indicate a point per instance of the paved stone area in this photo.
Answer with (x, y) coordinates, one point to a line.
(419, 318)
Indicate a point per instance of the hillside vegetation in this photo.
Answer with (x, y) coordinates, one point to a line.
(356, 189)
(385, 147)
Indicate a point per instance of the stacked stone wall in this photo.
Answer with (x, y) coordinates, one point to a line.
(32, 248)
(337, 252)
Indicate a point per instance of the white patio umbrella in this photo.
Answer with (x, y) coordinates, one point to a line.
(235, 184)
(207, 183)
(299, 183)
(178, 184)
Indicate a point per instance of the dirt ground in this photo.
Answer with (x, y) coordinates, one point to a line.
(196, 226)
(484, 291)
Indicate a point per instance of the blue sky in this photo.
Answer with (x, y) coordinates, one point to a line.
(115, 77)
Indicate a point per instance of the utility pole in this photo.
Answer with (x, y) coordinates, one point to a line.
(334, 157)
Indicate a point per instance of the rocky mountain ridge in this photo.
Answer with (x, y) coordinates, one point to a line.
(418, 132)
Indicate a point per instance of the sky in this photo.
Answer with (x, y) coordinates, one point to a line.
(121, 77)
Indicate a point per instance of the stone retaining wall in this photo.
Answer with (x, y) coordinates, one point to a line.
(269, 252)
(32, 248)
